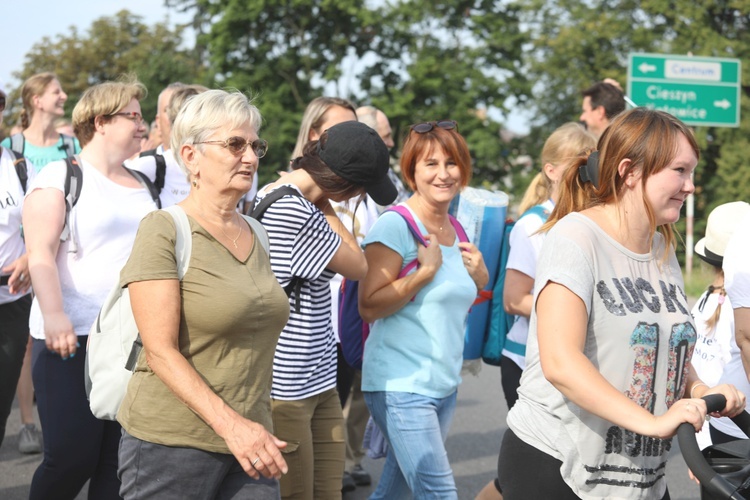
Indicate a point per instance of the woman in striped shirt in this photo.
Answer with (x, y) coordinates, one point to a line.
(309, 244)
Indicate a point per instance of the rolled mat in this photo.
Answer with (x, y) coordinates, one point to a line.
(482, 214)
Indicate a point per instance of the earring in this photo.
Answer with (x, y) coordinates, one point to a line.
(195, 183)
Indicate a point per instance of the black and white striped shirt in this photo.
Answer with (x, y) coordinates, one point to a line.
(302, 245)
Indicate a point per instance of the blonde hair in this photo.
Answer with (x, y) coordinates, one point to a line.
(34, 86)
(207, 112)
(563, 146)
(103, 100)
(314, 117)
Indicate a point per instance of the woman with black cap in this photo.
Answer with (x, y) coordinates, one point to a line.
(309, 244)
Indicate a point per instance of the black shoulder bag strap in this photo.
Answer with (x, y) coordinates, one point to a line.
(21, 168)
(161, 167)
(143, 179)
(295, 285)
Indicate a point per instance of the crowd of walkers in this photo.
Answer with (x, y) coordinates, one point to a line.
(241, 389)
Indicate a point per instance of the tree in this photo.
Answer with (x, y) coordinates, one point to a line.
(577, 42)
(113, 46)
(453, 59)
(282, 52)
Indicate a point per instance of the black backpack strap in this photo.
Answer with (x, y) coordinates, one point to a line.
(143, 179)
(294, 286)
(72, 191)
(271, 198)
(17, 143)
(68, 145)
(21, 168)
(161, 167)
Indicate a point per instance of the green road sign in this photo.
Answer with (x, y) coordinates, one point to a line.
(697, 90)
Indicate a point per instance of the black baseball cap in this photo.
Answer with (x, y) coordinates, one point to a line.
(356, 153)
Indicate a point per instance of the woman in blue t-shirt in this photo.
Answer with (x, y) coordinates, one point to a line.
(414, 353)
(43, 104)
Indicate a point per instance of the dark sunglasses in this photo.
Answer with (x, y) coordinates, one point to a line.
(2, 103)
(238, 145)
(423, 128)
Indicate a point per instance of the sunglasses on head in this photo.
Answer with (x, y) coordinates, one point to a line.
(423, 128)
(238, 145)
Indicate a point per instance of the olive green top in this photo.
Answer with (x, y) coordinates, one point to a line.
(232, 315)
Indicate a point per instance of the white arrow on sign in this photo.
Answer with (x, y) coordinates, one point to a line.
(724, 104)
(646, 67)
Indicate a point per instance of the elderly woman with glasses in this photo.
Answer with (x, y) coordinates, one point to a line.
(197, 413)
(75, 255)
(413, 356)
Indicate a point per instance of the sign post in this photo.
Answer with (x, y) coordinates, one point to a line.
(700, 91)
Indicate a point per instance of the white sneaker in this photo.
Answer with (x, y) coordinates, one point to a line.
(28, 440)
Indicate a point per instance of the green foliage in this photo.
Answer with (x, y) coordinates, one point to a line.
(283, 52)
(113, 46)
(420, 60)
(578, 42)
(454, 59)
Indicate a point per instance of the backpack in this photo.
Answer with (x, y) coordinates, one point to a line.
(18, 143)
(353, 330)
(161, 168)
(500, 321)
(295, 285)
(114, 342)
(21, 167)
(74, 183)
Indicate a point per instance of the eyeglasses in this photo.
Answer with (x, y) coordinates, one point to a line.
(133, 116)
(2, 102)
(238, 145)
(423, 128)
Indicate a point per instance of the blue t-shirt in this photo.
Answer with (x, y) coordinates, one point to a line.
(419, 349)
(40, 156)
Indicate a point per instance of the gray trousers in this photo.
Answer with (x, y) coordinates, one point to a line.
(154, 471)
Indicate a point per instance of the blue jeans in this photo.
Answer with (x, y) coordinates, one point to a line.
(416, 427)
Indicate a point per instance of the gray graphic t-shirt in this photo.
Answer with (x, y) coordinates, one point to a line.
(640, 337)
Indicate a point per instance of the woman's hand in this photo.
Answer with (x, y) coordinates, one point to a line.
(257, 450)
(474, 263)
(20, 279)
(691, 411)
(59, 335)
(430, 258)
(735, 400)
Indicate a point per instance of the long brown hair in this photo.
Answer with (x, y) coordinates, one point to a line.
(649, 139)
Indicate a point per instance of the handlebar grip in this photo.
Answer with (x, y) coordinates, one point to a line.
(715, 402)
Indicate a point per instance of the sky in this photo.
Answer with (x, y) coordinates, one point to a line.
(28, 21)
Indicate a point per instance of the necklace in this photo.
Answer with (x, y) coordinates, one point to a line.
(234, 240)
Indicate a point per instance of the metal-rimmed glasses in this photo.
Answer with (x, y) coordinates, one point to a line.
(133, 116)
(423, 128)
(238, 145)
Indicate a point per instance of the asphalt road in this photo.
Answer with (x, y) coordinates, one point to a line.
(472, 444)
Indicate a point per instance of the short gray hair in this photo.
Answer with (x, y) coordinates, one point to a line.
(369, 116)
(209, 111)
